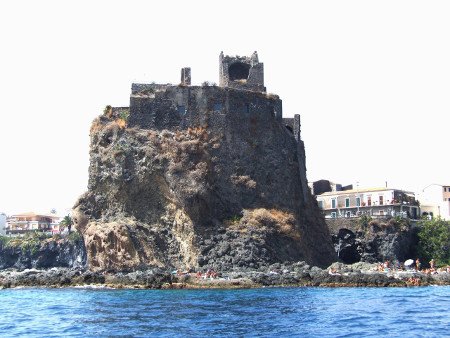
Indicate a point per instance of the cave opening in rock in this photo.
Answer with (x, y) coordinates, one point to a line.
(238, 71)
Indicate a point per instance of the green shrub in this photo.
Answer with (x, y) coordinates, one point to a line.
(124, 114)
(56, 237)
(235, 219)
(399, 223)
(4, 241)
(107, 110)
(364, 220)
(434, 241)
(29, 242)
(74, 237)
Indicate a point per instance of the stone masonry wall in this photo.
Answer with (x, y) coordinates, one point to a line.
(179, 107)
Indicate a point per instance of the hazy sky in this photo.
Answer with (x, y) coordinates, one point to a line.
(370, 79)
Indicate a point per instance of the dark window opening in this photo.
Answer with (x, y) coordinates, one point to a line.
(181, 110)
(290, 129)
(238, 71)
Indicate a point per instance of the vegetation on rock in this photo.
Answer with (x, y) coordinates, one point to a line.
(222, 193)
(29, 242)
(434, 241)
(67, 222)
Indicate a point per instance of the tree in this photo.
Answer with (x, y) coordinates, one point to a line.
(67, 222)
(434, 240)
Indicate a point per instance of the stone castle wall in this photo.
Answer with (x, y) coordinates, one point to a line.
(201, 176)
(171, 107)
(165, 106)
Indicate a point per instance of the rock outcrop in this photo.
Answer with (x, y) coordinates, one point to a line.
(196, 197)
(277, 274)
(226, 190)
(34, 253)
(373, 240)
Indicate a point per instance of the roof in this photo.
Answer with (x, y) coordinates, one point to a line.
(354, 191)
(33, 214)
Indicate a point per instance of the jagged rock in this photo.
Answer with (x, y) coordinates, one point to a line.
(381, 240)
(219, 189)
(53, 252)
(346, 246)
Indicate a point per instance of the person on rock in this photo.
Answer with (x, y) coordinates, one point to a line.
(418, 264)
(432, 264)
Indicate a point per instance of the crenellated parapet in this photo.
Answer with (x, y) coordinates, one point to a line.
(293, 125)
(241, 72)
(240, 95)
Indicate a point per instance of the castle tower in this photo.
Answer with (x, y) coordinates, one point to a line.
(186, 76)
(241, 72)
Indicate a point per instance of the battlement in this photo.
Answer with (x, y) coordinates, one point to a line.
(241, 72)
(239, 98)
(293, 125)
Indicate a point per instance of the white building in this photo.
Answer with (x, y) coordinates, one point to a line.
(374, 202)
(30, 221)
(435, 201)
(2, 224)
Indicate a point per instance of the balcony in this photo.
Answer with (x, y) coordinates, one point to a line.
(16, 232)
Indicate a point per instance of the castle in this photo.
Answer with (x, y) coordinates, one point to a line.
(199, 169)
(241, 95)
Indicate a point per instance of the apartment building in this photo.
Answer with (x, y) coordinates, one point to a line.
(374, 202)
(30, 221)
(435, 201)
(2, 224)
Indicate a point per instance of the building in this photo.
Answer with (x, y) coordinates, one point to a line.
(241, 72)
(30, 221)
(2, 224)
(241, 93)
(321, 186)
(374, 202)
(239, 101)
(435, 201)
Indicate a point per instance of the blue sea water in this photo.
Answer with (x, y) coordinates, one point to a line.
(267, 312)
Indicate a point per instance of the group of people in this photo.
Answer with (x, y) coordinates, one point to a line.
(209, 274)
(414, 281)
(387, 266)
(416, 265)
(432, 269)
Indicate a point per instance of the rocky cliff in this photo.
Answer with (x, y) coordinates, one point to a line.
(222, 194)
(42, 253)
(371, 241)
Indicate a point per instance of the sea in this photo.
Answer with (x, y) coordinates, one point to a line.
(263, 312)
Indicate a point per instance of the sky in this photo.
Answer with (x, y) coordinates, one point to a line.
(370, 80)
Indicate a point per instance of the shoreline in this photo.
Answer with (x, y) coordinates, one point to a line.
(296, 275)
